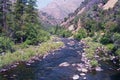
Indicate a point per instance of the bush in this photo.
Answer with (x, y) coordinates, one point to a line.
(106, 39)
(60, 31)
(43, 36)
(110, 47)
(82, 33)
(118, 52)
(6, 44)
(116, 40)
(97, 37)
(94, 63)
(35, 35)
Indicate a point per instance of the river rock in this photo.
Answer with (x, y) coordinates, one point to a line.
(84, 78)
(73, 64)
(76, 77)
(82, 74)
(13, 66)
(65, 64)
(28, 64)
(98, 69)
(84, 70)
(79, 69)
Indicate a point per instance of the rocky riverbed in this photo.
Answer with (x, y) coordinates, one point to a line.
(66, 63)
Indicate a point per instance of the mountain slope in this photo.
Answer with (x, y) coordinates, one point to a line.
(110, 4)
(59, 9)
(87, 7)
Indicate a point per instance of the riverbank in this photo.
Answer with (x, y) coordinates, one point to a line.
(65, 63)
(28, 54)
(95, 54)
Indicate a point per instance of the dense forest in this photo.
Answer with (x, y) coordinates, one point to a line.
(19, 24)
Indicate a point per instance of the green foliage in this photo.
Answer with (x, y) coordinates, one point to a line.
(76, 19)
(94, 63)
(118, 52)
(116, 39)
(5, 44)
(29, 52)
(106, 39)
(60, 31)
(43, 36)
(97, 36)
(82, 33)
(91, 51)
(110, 47)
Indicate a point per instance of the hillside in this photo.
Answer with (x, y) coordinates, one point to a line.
(98, 23)
(47, 20)
(110, 4)
(87, 7)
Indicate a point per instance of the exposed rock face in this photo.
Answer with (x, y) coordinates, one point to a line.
(59, 9)
(110, 4)
(47, 20)
(85, 7)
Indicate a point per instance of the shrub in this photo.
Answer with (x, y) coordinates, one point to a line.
(97, 37)
(110, 47)
(94, 63)
(43, 36)
(5, 44)
(106, 39)
(118, 52)
(82, 33)
(116, 40)
(34, 36)
(60, 31)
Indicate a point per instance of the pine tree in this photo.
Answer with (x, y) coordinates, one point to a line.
(4, 11)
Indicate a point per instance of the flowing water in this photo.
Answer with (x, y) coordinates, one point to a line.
(61, 64)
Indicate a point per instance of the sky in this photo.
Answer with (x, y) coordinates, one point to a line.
(42, 3)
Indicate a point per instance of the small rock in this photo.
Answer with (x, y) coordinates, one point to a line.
(84, 78)
(98, 69)
(28, 64)
(65, 64)
(79, 69)
(5, 75)
(14, 66)
(118, 69)
(82, 74)
(73, 65)
(84, 70)
(17, 63)
(3, 70)
(14, 75)
(79, 65)
(75, 77)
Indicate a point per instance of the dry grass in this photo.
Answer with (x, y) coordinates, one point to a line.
(27, 53)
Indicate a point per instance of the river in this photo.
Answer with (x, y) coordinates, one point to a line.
(61, 64)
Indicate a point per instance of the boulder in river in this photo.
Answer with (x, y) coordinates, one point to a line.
(82, 74)
(76, 77)
(98, 69)
(65, 64)
(84, 70)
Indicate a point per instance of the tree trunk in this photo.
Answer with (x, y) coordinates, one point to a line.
(4, 15)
